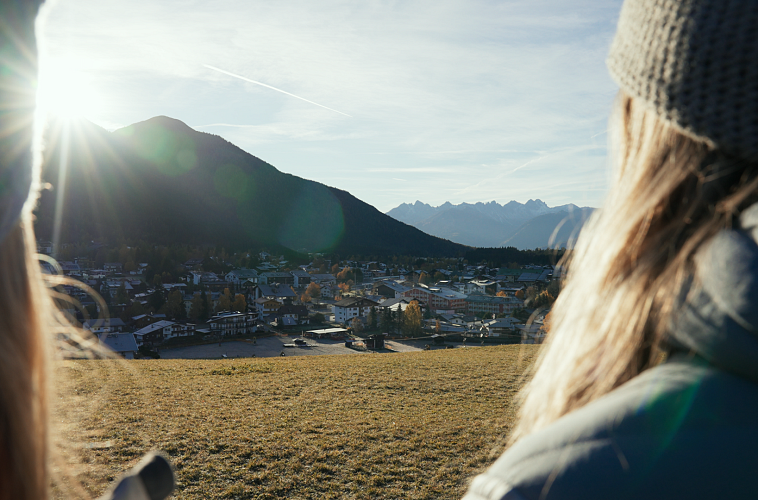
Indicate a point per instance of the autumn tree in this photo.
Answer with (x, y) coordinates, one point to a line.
(438, 276)
(501, 293)
(543, 299)
(239, 303)
(304, 298)
(345, 275)
(174, 306)
(424, 279)
(344, 287)
(412, 323)
(225, 301)
(313, 290)
(520, 295)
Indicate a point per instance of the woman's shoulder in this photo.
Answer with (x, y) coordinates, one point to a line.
(682, 429)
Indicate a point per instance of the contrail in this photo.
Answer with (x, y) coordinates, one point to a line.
(272, 88)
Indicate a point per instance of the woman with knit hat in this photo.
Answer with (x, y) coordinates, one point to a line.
(648, 387)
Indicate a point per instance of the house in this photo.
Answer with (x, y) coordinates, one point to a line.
(321, 279)
(234, 323)
(297, 313)
(272, 277)
(438, 298)
(501, 326)
(240, 276)
(181, 330)
(389, 289)
(394, 304)
(479, 304)
(112, 267)
(302, 278)
(98, 326)
(266, 306)
(153, 334)
(121, 343)
(347, 309)
(276, 291)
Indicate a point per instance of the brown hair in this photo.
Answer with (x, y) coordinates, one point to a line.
(670, 194)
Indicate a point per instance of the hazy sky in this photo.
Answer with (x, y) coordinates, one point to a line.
(459, 101)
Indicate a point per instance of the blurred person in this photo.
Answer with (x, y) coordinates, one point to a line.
(647, 385)
(29, 318)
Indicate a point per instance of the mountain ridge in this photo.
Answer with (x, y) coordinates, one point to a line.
(161, 181)
(490, 224)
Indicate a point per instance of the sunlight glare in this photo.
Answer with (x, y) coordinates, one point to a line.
(66, 92)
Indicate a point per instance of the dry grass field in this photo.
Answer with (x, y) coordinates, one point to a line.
(408, 425)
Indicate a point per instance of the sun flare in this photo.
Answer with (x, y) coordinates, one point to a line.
(67, 92)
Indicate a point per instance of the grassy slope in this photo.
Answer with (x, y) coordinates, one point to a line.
(412, 425)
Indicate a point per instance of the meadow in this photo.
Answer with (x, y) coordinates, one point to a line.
(403, 425)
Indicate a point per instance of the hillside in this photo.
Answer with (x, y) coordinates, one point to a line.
(521, 225)
(406, 425)
(161, 181)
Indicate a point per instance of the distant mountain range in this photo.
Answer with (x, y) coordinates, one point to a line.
(522, 225)
(161, 182)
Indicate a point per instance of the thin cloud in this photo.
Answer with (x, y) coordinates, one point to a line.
(272, 88)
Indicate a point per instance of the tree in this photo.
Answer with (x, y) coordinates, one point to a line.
(174, 306)
(345, 275)
(344, 287)
(156, 299)
(356, 325)
(398, 319)
(319, 318)
(554, 287)
(520, 295)
(304, 298)
(437, 327)
(438, 276)
(501, 294)
(543, 299)
(239, 303)
(121, 296)
(372, 319)
(313, 290)
(424, 279)
(385, 321)
(205, 307)
(412, 324)
(225, 301)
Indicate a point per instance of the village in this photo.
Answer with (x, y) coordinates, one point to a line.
(359, 305)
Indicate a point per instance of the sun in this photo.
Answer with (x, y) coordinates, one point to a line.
(66, 91)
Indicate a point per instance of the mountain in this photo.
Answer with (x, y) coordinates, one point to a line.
(522, 225)
(162, 182)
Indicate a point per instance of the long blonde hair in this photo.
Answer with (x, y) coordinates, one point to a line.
(24, 364)
(670, 194)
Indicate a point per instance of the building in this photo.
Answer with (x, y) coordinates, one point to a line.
(501, 326)
(301, 277)
(235, 323)
(297, 313)
(389, 289)
(110, 325)
(437, 298)
(240, 276)
(154, 334)
(281, 278)
(122, 344)
(347, 309)
(479, 304)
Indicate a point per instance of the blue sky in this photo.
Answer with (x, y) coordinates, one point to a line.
(459, 101)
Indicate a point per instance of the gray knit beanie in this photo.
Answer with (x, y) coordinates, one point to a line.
(696, 63)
